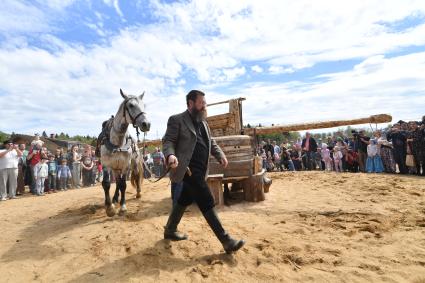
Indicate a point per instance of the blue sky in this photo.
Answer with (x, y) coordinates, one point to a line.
(62, 63)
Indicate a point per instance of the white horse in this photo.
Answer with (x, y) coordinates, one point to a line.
(118, 151)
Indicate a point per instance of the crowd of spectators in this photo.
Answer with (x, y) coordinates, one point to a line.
(42, 171)
(400, 149)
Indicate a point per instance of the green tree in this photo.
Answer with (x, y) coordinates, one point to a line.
(3, 137)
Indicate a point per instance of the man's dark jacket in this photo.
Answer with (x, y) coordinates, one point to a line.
(313, 144)
(180, 140)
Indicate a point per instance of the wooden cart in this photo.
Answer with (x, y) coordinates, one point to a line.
(239, 144)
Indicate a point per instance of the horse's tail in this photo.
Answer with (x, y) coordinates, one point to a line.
(136, 178)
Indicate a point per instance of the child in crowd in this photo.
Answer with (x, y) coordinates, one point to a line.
(41, 172)
(64, 174)
(36, 142)
(326, 157)
(269, 164)
(351, 161)
(338, 158)
(52, 164)
(100, 171)
(374, 161)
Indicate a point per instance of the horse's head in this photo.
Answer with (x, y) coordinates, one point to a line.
(134, 111)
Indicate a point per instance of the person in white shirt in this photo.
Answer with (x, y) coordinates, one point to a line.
(9, 159)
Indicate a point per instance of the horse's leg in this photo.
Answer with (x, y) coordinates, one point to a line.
(138, 190)
(138, 175)
(117, 192)
(123, 187)
(106, 184)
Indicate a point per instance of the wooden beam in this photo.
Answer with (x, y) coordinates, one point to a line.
(374, 119)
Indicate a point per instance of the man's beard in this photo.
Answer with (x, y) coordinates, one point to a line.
(199, 115)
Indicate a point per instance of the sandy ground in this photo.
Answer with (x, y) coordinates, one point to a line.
(313, 226)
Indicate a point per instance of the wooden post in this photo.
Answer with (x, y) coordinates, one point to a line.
(215, 185)
(234, 109)
(258, 164)
(253, 187)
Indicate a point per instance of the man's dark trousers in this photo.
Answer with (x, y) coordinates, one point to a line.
(400, 159)
(195, 189)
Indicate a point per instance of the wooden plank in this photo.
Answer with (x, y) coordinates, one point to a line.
(217, 132)
(235, 179)
(234, 168)
(240, 156)
(219, 119)
(236, 150)
(215, 176)
(246, 163)
(228, 148)
(235, 137)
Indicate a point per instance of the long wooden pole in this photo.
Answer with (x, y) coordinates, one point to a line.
(226, 101)
(374, 119)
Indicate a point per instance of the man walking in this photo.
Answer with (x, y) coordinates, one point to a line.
(309, 146)
(187, 145)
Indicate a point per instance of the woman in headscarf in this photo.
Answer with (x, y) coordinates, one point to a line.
(386, 151)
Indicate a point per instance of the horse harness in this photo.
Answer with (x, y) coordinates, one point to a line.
(133, 120)
(104, 138)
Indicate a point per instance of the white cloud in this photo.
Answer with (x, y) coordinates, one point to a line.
(276, 70)
(257, 69)
(75, 87)
(17, 17)
(57, 4)
(377, 85)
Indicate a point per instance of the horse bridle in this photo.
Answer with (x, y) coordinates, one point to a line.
(133, 120)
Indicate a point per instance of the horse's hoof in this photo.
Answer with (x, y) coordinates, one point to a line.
(139, 196)
(110, 210)
(123, 210)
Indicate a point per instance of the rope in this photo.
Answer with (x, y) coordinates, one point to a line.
(144, 162)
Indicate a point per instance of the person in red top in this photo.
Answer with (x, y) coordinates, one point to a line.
(351, 159)
(34, 156)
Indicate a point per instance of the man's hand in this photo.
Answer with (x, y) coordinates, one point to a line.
(224, 162)
(172, 161)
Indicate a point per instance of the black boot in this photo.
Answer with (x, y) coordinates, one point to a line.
(230, 245)
(170, 231)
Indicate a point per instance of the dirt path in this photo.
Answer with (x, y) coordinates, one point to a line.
(313, 226)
